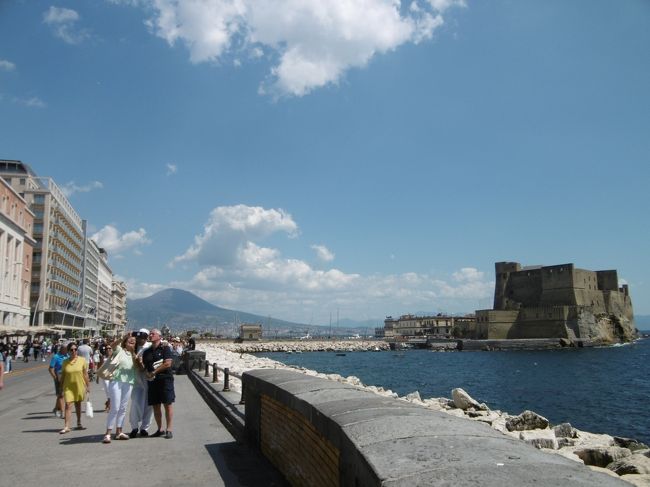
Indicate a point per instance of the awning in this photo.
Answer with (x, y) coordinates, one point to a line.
(68, 327)
(29, 330)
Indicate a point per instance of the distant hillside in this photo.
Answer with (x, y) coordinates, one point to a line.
(183, 310)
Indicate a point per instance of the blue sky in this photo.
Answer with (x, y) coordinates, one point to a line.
(291, 158)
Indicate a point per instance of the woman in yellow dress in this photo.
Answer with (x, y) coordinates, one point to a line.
(76, 384)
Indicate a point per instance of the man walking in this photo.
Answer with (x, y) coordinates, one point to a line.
(141, 412)
(157, 361)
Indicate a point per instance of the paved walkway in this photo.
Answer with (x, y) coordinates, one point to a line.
(33, 453)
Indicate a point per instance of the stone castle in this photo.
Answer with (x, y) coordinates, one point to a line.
(560, 301)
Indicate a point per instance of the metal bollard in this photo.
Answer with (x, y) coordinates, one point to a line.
(207, 369)
(243, 391)
(215, 373)
(226, 380)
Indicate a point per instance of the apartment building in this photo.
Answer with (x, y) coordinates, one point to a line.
(118, 308)
(104, 293)
(16, 244)
(71, 286)
(91, 285)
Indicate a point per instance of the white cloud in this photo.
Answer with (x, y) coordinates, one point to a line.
(171, 169)
(71, 187)
(63, 22)
(33, 102)
(230, 229)
(237, 272)
(6, 65)
(110, 239)
(314, 42)
(323, 253)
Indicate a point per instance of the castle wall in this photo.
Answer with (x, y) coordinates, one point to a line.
(607, 280)
(523, 287)
(558, 285)
(494, 324)
(541, 322)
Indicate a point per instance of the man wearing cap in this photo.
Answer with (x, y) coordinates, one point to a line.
(141, 412)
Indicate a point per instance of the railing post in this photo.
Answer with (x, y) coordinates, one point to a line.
(215, 373)
(226, 379)
(243, 391)
(207, 369)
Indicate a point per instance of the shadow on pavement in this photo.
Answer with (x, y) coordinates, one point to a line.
(250, 467)
(49, 430)
(78, 440)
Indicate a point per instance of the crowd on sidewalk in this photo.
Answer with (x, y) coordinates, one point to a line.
(136, 368)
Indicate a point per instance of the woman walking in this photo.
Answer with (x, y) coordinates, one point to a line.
(120, 387)
(76, 384)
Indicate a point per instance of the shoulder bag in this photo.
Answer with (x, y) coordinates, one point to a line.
(108, 368)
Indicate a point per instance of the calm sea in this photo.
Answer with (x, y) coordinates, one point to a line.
(601, 390)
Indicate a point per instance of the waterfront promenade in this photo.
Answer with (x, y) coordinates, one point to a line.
(32, 453)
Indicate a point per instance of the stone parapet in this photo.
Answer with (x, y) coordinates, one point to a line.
(319, 432)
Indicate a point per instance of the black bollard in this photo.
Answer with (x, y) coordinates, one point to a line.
(215, 373)
(226, 380)
(207, 369)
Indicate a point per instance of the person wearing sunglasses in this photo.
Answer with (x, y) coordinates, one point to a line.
(120, 386)
(75, 384)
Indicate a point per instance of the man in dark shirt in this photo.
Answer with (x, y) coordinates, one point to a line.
(157, 361)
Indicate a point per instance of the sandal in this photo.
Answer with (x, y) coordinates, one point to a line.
(64, 431)
(107, 439)
(122, 436)
(80, 427)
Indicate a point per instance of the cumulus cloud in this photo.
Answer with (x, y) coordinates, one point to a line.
(171, 169)
(6, 65)
(71, 187)
(323, 253)
(314, 43)
(235, 270)
(231, 229)
(115, 242)
(63, 22)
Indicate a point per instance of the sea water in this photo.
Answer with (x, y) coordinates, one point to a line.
(600, 390)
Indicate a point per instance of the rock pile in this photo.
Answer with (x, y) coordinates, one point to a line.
(625, 457)
(299, 346)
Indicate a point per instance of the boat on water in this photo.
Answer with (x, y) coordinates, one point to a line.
(340, 355)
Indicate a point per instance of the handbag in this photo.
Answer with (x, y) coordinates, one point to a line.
(89, 409)
(108, 368)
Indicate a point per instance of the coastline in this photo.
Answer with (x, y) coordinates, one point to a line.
(599, 451)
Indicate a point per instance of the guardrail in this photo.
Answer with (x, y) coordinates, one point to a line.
(200, 363)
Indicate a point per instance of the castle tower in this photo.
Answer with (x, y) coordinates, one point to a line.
(502, 272)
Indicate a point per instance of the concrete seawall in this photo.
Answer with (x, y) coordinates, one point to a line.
(320, 432)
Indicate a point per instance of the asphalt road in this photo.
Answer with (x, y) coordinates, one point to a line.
(33, 453)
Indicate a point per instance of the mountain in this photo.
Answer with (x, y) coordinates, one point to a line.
(182, 310)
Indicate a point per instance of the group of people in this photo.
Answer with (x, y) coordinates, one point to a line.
(139, 367)
(10, 351)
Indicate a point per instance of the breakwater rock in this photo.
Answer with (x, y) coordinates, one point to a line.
(622, 457)
(299, 346)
